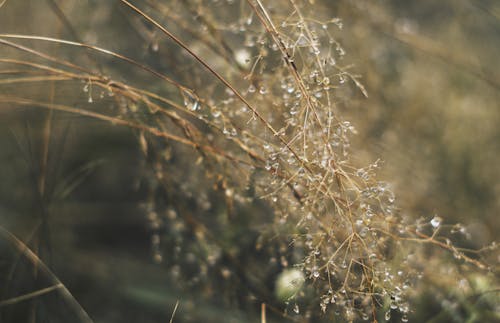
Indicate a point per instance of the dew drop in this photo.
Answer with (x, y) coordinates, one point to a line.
(387, 315)
(296, 309)
(171, 214)
(436, 221)
(155, 47)
(216, 113)
(340, 50)
(302, 41)
(242, 56)
(190, 100)
(157, 258)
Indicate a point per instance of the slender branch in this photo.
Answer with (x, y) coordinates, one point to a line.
(33, 258)
(25, 297)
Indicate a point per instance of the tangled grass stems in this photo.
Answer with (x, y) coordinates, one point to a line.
(290, 142)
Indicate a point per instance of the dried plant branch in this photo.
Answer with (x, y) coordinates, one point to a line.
(33, 258)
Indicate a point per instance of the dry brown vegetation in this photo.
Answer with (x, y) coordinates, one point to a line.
(244, 164)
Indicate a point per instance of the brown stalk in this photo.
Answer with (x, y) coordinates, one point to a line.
(33, 258)
(217, 75)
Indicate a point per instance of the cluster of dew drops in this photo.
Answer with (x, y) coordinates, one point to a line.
(272, 89)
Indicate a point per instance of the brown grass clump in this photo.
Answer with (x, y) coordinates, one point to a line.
(247, 96)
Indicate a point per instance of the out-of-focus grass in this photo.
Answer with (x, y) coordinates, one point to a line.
(433, 108)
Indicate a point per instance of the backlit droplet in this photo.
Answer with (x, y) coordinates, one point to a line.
(387, 315)
(296, 308)
(302, 41)
(216, 113)
(155, 46)
(436, 221)
(242, 56)
(315, 272)
(190, 100)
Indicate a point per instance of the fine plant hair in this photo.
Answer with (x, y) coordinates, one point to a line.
(249, 96)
